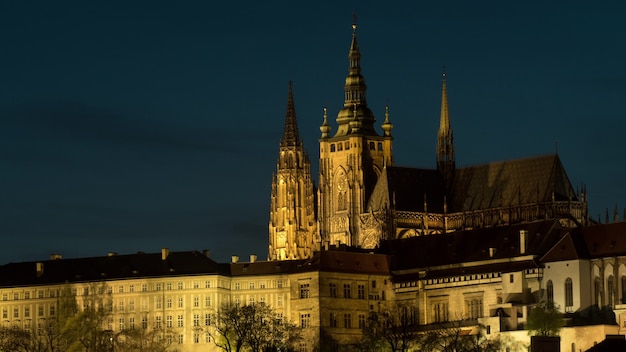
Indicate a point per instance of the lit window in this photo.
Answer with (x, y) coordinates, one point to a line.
(304, 291)
(569, 293)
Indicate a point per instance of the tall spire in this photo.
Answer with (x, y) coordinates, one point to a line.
(290, 135)
(355, 95)
(445, 145)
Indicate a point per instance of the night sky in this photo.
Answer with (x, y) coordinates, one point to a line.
(131, 126)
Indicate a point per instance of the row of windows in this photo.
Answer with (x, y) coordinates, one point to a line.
(26, 295)
(340, 146)
(347, 291)
(262, 285)
(26, 313)
(347, 321)
(120, 289)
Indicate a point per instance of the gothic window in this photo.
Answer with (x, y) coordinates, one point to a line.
(597, 292)
(339, 147)
(610, 287)
(332, 148)
(550, 293)
(569, 294)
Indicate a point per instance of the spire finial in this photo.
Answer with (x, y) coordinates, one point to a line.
(387, 126)
(325, 127)
(443, 72)
(354, 22)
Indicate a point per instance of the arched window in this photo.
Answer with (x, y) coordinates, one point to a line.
(610, 288)
(597, 291)
(569, 294)
(332, 148)
(550, 293)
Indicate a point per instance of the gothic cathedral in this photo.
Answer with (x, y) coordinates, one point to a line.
(364, 199)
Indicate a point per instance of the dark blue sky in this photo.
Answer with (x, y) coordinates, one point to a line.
(131, 126)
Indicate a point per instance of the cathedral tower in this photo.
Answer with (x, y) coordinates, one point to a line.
(352, 159)
(445, 145)
(292, 226)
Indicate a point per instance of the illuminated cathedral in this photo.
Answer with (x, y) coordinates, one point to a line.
(362, 199)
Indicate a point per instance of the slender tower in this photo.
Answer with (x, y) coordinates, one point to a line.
(292, 226)
(351, 160)
(445, 145)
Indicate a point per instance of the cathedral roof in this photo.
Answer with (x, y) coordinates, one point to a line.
(513, 182)
(408, 189)
(57, 271)
(482, 250)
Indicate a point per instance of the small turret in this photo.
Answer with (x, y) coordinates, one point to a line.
(387, 126)
(325, 127)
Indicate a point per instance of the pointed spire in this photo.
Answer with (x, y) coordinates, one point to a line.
(355, 95)
(291, 136)
(445, 145)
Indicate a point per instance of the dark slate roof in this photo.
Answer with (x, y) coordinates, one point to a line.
(265, 267)
(348, 262)
(492, 185)
(500, 184)
(605, 240)
(112, 267)
(334, 260)
(473, 246)
(570, 247)
(407, 187)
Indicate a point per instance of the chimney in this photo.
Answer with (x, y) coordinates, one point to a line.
(165, 252)
(492, 252)
(206, 253)
(55, 256)
(234, 258)
(39, 269)
(523, 237)
(252, 258)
